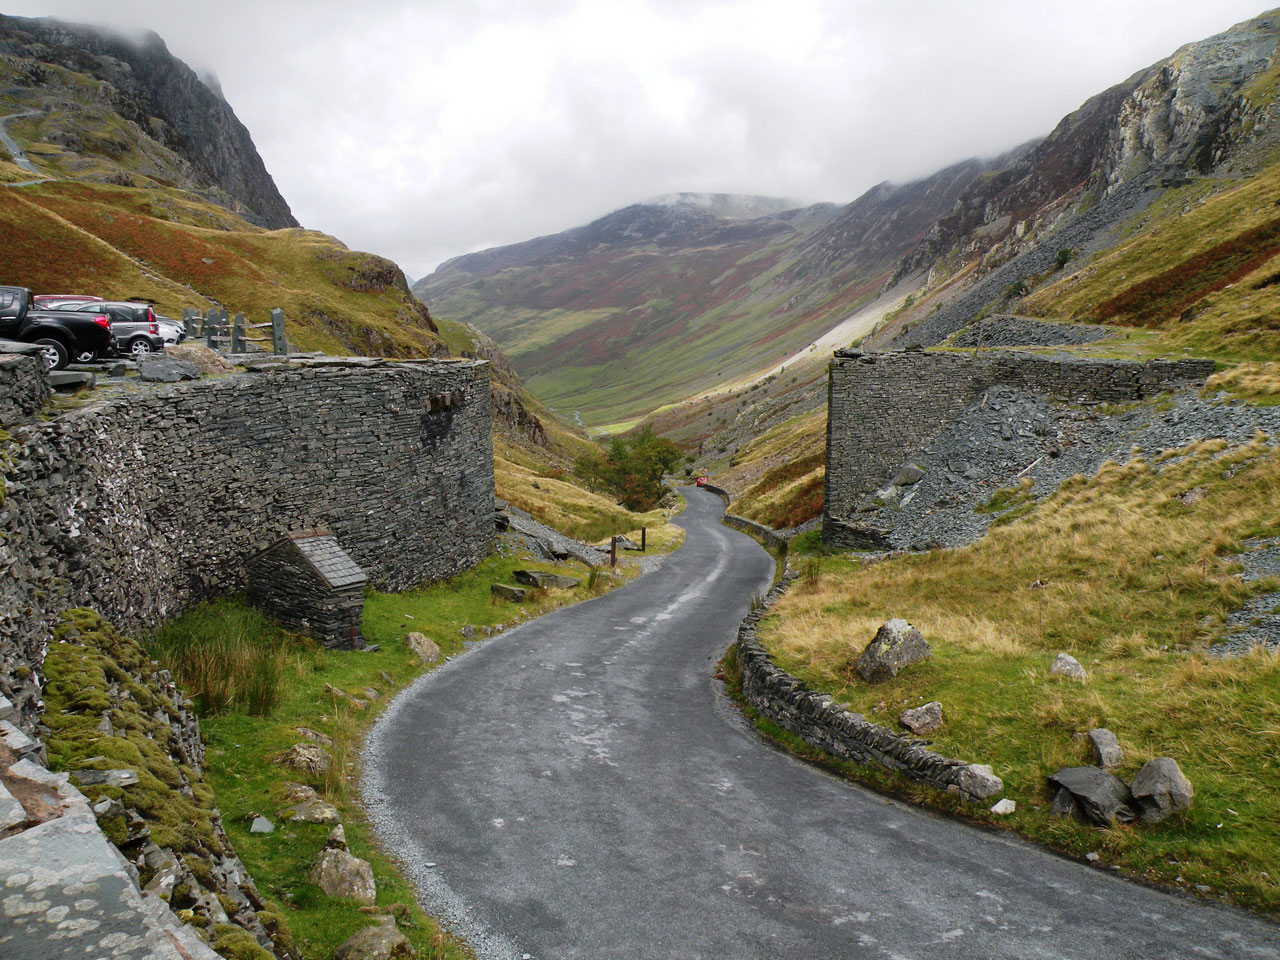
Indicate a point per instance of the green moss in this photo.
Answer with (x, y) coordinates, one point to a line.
(235, 944)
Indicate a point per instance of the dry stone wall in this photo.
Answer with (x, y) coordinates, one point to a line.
(23, 387)
(883, 407)
(821, 722)
(139, 505)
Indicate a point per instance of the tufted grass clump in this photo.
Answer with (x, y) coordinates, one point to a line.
(1132, 577)
(227, 656)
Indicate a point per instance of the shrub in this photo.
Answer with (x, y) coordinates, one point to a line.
(1063, 258)
(632, 468)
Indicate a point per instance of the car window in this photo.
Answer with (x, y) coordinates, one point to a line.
(6, 301)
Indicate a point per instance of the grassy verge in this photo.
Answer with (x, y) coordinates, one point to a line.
(241, 745)
(1129, 574)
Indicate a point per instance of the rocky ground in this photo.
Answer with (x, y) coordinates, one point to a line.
(1013, 435)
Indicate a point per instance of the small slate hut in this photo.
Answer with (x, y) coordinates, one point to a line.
(308, 583)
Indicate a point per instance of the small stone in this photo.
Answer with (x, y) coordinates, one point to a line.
(6, 708)
(311, 811)
(911, 473)
(895, 645)
(380, 941)
(468, 632)
(1161, 789)
(337, 839)
(923, 719)
(105, 778)
(1106, 748)
(1204, 888)
(315, 736)
(1092, 857)
(1064, 805)
(261, 825)
(1065, 665)
(297, 792)
(508, 592)
(342, 876)
(426, 649)
(1004, 807)
(979, 781)
(307, 757)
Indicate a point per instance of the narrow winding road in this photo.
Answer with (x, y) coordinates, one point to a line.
(578, 788)
(19, 157)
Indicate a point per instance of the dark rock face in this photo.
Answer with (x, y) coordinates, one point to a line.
(146, 83)
(1161, 789)
(1098, 796)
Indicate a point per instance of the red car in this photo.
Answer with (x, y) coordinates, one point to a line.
(701, 482)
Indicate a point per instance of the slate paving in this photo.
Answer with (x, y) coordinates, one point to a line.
(579, 788)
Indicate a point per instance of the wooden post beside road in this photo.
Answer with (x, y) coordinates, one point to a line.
(644, 531)
(613, 551)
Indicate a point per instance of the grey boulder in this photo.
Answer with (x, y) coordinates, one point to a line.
(1065, 665)
(1100, 797)
(1161, 789)
(381, 941)
(167, 369)
(895, 645)
(343, 876)
(908, 475)
(426, 649)
(539, 578)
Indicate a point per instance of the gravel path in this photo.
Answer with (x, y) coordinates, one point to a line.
(578, 788)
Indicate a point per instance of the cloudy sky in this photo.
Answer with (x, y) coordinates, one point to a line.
(422, 130)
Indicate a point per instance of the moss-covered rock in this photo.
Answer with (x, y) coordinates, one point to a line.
(110, 707)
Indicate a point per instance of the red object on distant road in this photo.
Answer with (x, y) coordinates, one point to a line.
(701, 482)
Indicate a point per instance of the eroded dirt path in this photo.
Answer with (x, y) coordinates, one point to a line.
(577, 788)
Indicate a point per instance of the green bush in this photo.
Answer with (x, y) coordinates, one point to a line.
(632, 469)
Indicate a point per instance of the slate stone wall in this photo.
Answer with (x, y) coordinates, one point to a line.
(283, 584)
(821, 722)
(23, 387)
(140, 505)
(883, 407)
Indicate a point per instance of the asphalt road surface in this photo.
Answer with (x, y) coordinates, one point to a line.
(579, 788)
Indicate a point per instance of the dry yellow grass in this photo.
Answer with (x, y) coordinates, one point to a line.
(1132, 578)
(1253, 381)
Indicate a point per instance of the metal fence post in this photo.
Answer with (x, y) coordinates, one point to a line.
(278, 345)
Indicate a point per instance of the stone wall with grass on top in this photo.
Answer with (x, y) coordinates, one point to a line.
(822, 723)
(884, 407)
(141, 504)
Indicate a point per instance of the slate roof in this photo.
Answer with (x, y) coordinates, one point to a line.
(333, 563)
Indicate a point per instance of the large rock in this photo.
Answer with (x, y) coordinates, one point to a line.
(1101, 798)
(908, 475)
(978, 781)
(206, 360)
(307, 757)
(896, 644)
(1161, 789)
(540, 578)
(311, 811)
(164, 369)
(1065, 665)
(426, 649)
(1106, 748)
(382, 941)
(923, 719)
(343, 876)
(508, 592)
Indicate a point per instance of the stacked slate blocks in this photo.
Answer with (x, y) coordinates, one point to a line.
(882, 408)
(308, 583)
(821, 722)
(24, 386)
(140, 505)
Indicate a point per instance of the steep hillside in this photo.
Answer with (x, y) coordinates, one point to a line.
(1143, 152)
(123, 175)
(125, 110)
(662, 300)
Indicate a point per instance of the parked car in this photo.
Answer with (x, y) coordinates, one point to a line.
(173, 331)
(134, 324)
(61, 334)
(51, 301)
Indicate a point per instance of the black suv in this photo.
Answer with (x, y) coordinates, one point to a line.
(60, 334)
(134, 324)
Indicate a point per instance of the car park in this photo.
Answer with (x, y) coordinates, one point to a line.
(134, 324)
(61, 334)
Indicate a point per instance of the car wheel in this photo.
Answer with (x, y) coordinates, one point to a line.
(140, 347)
(56, 356)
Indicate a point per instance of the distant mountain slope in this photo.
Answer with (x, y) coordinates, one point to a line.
(122, 109)
(1204, 118)
(153, 190)
(658, 301)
